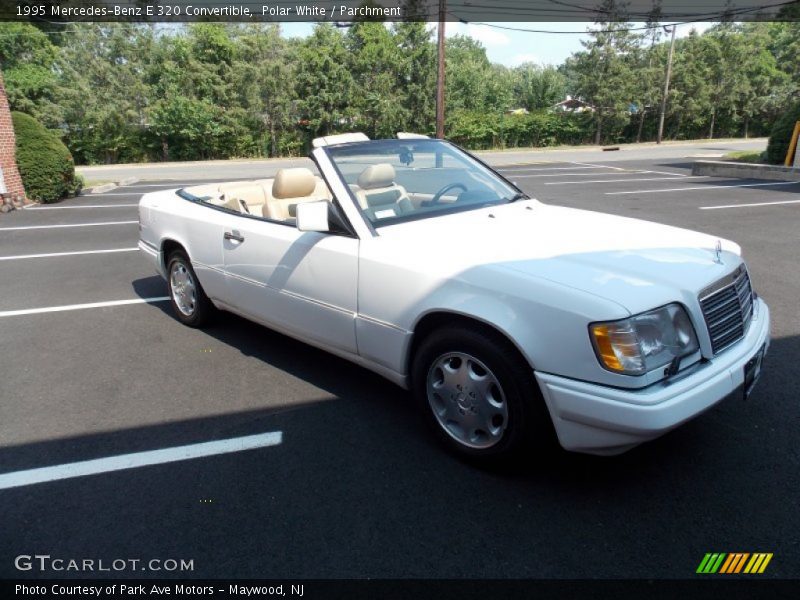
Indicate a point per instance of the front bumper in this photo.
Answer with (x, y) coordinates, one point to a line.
(598, 419)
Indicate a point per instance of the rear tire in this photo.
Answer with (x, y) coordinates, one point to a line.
(189, 302)
(480, 395)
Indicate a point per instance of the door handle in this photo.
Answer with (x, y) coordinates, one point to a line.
(233, 235)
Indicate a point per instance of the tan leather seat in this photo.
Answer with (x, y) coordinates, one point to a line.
(379, 195)
(376, 187)
(246, 197)
(290, 188)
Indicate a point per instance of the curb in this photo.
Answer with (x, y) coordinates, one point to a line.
(721, 168)
(107, 187)
(99, 189)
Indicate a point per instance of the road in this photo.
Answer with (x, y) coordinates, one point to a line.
(357, 487)
(241, 169)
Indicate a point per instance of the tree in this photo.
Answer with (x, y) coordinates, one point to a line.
(103, 91)
(416, 75)
(538, 87)
(604, 74)
(374, 61)
(649, 69)
(689, 104)
(324, 84)
(265, 65)
(28, 59)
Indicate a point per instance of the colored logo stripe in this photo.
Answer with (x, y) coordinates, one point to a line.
(711, 562)
(758, 563)
(734, 562)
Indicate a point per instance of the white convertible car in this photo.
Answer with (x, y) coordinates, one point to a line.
(509, 319)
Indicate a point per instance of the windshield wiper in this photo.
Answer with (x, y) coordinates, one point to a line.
(518, 196)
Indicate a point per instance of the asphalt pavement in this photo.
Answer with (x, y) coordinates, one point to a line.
(255, 168)
(357, 487)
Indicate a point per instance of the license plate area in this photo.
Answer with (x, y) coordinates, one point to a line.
(752, 371)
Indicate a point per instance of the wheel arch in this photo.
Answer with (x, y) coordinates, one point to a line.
(438, 319)
(167, 247)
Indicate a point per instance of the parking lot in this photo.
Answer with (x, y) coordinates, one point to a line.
(94, 366)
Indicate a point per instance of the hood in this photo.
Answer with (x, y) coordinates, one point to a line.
(637, 264)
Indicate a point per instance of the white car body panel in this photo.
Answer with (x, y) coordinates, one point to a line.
(305, 282)
(539, 274)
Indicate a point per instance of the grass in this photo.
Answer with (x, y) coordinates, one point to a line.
(744, 156)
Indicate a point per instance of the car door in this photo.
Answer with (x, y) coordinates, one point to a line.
(303, 283)
(203, 224)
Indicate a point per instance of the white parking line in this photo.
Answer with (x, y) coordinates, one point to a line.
(166, 185)
(50, 309)
(138, 459)
(625, 180)
(80, 206)
(704, 187)
(77, 253)
(675, 174)
(122, 193)
(598, 166)
(71, 225)
(520, 169)
(593, 174)
(749, 205)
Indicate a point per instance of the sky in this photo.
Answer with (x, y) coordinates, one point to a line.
(512, 48)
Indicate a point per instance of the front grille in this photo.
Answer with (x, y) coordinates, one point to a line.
(728, 310)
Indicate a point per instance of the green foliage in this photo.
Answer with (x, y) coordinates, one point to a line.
(29, 61)
(538, 88)
(374, 58)
(45, 164)
(127, 92)
(744, 156)
(323, 83)
(605, 72)
(781, 135)
(480, 130)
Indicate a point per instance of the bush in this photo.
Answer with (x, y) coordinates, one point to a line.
(45, 164)
(480, 131)
(781, 135)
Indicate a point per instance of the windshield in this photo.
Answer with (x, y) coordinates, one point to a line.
(401, 180)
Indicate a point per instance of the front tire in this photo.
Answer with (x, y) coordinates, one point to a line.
(480, 395)
(189, 302)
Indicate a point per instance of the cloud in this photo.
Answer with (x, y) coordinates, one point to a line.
(700, 27)
(487, 35)
(519, 59)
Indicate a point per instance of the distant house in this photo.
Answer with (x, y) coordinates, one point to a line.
(572, 105)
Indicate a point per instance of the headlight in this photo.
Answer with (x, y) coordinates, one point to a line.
(644, 342)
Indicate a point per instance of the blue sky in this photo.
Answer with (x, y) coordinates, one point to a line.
(512, 48)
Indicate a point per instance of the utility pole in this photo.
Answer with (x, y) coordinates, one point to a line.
(440, 75)
(666, 86)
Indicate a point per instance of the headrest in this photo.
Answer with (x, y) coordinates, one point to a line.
(294, 183)
(376, 176)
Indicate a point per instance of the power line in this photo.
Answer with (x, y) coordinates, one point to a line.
(719, 17)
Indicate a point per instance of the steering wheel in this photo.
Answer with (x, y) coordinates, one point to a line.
(438, 195)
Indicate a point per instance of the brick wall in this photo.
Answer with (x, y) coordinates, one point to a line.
(8, 147)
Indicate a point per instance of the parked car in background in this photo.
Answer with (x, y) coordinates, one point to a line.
(509, 319)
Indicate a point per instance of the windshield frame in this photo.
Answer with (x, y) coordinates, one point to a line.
(375, 226)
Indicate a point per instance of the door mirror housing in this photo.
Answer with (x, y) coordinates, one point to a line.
(314, 216)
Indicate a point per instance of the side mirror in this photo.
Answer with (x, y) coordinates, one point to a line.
(313, 216)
